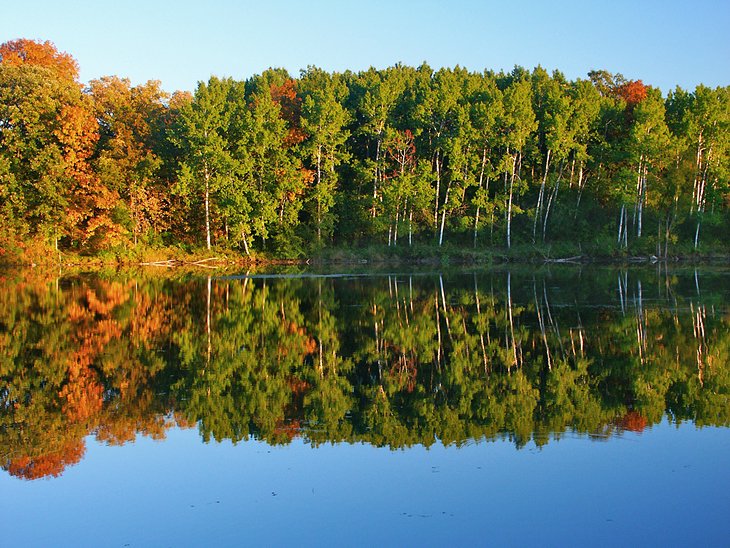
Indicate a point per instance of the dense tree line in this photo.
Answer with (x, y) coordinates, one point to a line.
(391, 361)
(284, 166)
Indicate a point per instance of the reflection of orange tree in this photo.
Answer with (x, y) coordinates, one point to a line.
(93, 327)
(51, 463)
(632, 421)
(78, 359)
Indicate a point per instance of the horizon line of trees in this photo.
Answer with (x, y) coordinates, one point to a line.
(286, 166)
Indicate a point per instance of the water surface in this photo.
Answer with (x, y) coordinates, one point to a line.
(543, 406)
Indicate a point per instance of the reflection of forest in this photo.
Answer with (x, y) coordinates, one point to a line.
(389, 360)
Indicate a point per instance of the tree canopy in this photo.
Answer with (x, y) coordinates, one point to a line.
(282, 166)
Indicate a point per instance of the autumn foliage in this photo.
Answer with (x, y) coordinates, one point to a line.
(291, 110)
(633, 421)
(44, 54)
(633, 92)
(49, 464)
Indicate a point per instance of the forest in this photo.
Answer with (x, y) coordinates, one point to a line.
(391, 361)
(402, 158)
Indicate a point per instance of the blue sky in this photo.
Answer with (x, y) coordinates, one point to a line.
(663, 42)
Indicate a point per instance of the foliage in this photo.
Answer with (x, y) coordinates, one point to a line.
(279, 166)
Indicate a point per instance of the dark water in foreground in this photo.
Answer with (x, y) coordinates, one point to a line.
(562, 406)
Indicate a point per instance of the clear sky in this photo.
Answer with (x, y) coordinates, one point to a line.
(663, 42)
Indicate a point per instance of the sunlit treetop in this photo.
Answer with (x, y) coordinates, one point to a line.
(24, 51)
(633, 92)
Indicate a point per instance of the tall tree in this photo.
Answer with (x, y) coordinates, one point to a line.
(649, 144)
(208, 162)
(485, 101)
(323, 120)
(518, 123)
(126, 162)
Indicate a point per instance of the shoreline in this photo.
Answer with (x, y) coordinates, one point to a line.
(367, 257)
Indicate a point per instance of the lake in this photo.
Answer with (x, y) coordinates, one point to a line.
(514, 406)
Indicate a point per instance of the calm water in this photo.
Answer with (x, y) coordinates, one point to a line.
(547, 407)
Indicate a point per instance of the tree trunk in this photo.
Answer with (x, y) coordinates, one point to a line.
(319, 199)
(540, 196)
(640, 195)
(133, 207)
(552, 198)
(207, 208)
(443, 214)
(580, 189)
(621, 224)
(438, 189)
(481, 180)
(376, 177)
(509, 202)
(410, 227)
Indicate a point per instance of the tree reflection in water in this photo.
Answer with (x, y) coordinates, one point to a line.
(391, 360)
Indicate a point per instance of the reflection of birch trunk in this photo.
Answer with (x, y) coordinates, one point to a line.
(377, 341)
(511, 320)
(698, 328)
(640, 324)
(208, 330)
(580, 339)
(410, 292)
(319, 328)
(541, 323)
(439, 351)
(697, 282)
(553, 324)
(621, 295)
(245, 281)
(443, 301)
(479, 323)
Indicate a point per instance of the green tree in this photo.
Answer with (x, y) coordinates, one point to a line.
(207, 163)
(323, 120)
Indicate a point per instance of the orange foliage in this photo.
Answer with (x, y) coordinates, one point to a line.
(633, 92)
(310, 345)
(298, 386)
(180, 99)
(83, 394)
(291, 110)
(92, 202)
(288, 429)
(50, 464)
(44, 54)
(121, 430)
(152, 319)
(633, 422)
